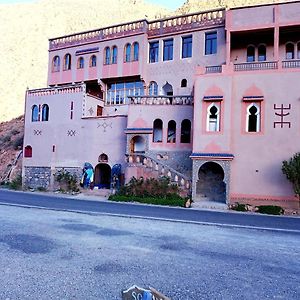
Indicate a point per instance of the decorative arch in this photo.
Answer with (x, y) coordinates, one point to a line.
(185, 135)
(137, 144)
(103, 158)
(107, 56)
(56, 64)
(251, 53)
(157, 131)
(45, 112)
(183, 83)
(80, 63)
(34, 113)
(127, 53)
(153, 88)
(171, 137)
(114, 58)
(289, 50)
(135, 51)
(93, 61)
(253, 118)
(67, 62)
(213, 117)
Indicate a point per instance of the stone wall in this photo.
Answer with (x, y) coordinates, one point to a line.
(37, 177)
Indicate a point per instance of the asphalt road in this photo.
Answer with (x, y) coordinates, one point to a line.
(46, 254)
(146, 211)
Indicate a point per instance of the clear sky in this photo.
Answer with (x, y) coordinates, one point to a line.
(172, 4)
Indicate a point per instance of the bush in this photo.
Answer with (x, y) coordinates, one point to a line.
(16, 184)
(67, 181)
(270, 209)
(18, 143)
(291, 169)
(239, 207)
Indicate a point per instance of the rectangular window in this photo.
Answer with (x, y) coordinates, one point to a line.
(168, 50)
(153, 52)
(210, 43)
(187, 43)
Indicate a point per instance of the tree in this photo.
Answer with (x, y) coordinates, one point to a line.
(291, 169)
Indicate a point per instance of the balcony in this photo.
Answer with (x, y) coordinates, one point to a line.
(161, 100)
(291, 64)
(213, 69)
(255, 66)
(67, 89)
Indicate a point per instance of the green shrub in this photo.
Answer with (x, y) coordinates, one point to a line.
(239, 207)
(41, 189)
(270, 209)
(16, 184)
(67, 181)
(291, 169)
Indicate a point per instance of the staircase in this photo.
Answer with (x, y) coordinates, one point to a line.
(6, 176)
(144, 166)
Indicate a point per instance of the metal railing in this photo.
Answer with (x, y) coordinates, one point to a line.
(213, 69)
(254, 66)
(161, 100)
(290, 64)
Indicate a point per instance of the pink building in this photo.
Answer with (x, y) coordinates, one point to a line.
(209, 99)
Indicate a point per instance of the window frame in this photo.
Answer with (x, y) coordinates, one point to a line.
(189, 45)
(67, 62)
(208, 117)
(168, 50)
(155, 51)
(211, 44)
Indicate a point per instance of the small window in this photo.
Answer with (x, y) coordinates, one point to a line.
(127, 53)
(183, 83)
(107, 56)
(67, 62)
(153, 52)
(56, 64)
(253, 118)
(262, 53)
(114, 55)
(153, 88)
(185, 136)
(213, 118)
(250, 54)
(93, 61)
(289, 51)
(135, 51)
(28, 151)
(80, 63)
(168, 50)
(210, 43)
(298, 50)
(45, 112)
(157, 131)
(34, 113)
(187, 43)
(171, 132)
(103, 158)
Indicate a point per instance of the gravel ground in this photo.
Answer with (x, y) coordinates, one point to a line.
(61, 255)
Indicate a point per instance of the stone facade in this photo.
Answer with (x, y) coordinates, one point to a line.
(37, 177)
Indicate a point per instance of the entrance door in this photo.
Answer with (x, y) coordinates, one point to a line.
(102, 178)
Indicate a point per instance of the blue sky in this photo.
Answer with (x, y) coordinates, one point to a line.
(172, 4)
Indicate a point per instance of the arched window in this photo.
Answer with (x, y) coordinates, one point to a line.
(184, 83)
(28, 151)
(80, 63)
(213, 118)
(250, 54)
(171, 132)
(127, 53)
(185, 136)
(67, 62)
(298, 50)
(135, 51)
(103, 158)
(114, 55)
(289, 51)
(45, 112)
(93, 61)
(56, 64)
(153, 88)
(157, 131)
(253, 118)
(107, 56)
(34, 113)
(262, 53)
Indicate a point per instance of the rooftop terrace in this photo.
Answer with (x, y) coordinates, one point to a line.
(152, 28)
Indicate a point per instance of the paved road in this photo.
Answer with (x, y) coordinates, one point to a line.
(127, 209)
(60, 255)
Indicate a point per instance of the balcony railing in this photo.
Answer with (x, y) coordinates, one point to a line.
(161, 100)
(67, 89)
(290, 64)
(254, 66)
(213, 69)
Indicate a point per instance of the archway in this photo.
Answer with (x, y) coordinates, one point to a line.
(168, 89)
(210, 184)
(137, 144)
(102, 175)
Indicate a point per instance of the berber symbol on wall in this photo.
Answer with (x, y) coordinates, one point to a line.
(105, 125)
(283, 112)
(71, 132)
(37, 132)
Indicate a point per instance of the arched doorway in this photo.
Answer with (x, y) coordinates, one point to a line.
(210, 184)
(137, 144)
(102, 175)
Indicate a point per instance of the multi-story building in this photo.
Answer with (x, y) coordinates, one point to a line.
(210, 99)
